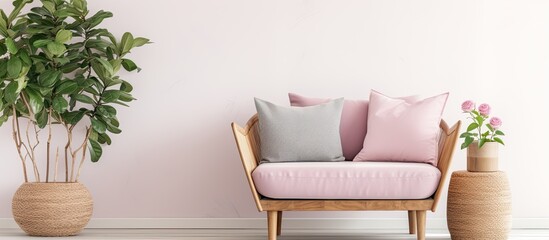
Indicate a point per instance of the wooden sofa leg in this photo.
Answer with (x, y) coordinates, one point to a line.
(412, 226)
(279, 223)
(272, 220)
(421, 215)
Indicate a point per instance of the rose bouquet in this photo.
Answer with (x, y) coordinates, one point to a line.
(474, 131)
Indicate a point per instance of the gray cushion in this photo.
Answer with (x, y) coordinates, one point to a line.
(300, 134)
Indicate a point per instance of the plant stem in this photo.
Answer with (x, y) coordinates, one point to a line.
(84, 147)
(67, 146)
(56, 165)
(18, 145)
(479, 127)
(48, 148)
(31, 153)
(31, 113)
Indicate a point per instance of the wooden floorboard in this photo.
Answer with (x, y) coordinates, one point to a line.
(256, 234)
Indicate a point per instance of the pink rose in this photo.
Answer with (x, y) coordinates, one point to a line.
(484, 109)
(495, 122)
(468, 106)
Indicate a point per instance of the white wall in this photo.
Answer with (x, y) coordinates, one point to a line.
(176, 157)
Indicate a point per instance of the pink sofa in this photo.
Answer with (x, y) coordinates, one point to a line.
(344, 186)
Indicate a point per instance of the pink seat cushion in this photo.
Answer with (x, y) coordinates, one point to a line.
(346, 180)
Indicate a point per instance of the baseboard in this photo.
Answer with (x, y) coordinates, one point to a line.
(289, 223)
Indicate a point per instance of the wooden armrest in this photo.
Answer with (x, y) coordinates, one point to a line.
(247, 142)
(447, 146)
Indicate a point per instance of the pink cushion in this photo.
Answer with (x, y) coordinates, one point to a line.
(402, 131)
(354, 118)
(352, 128)
(346, 180)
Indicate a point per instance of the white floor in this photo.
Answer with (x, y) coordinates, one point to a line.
(242, 234)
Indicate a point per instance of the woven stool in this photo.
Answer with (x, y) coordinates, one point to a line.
(479, 205)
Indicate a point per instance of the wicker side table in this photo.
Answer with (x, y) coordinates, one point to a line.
(479, 205)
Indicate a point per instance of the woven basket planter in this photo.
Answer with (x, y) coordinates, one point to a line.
(52, 209)
(479, 206)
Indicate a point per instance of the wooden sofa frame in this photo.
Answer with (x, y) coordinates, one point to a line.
(247, 140)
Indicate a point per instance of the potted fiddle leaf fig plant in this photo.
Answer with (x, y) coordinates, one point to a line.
(59, 70)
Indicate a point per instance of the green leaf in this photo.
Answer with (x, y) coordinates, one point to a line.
(70, 67)
(93, 135)
(63, 13)
(467, 142)
(498, 132)
(110, 96)
(472, 127)
(21, 81)
(98, 126)
(50, 6)
(81, 5)
(73, 117)
(25, 58)
(116, 64)
(10, 92)
(3, 20)
(21, 108)
(10, 44)
(72, 103)
(3, 119)
(95, 150)
(14, 67)
(489, 127)
(114, 81)
(121, 103)
(42, 118)
(139, 41)
(97, 43)
(63, 36)
(129, 65)
(61, 61)
(19, 4)
(56, 48)
(113, 122)
(36, 101)
(60, 104)
(499, 140)
(83, 98)
(113, 40)
(67, 87)
(480, 119)
(98, 18)
(465, 134)
(49, 78)
(481, 142)
(3, 68)
(126, 87)
(3, 49)
(104, 138)
(126, 43)
(106, 111)
(113, 129)
(126, 97)
(108, 67)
